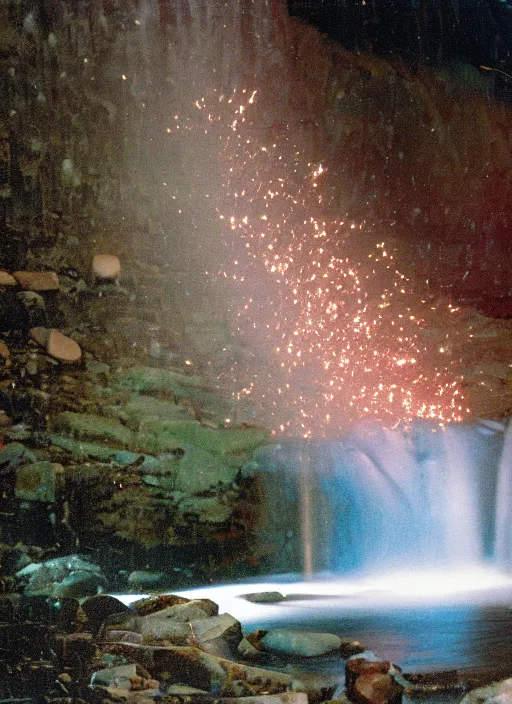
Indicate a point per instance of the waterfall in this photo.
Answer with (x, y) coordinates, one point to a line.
(382, 500)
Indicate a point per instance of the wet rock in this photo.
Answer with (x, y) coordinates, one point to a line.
(63, 348)
(118, 676)
(247, 650)
(299, 643)
(370, 682)
(100, 607)
(152, 604)
(219, 635)
(221, 441)
(78, 585)
(38, 481)
(144, 580)
(495, 693)
(263, 597)
(44, 578)
(106, 267)
(92, 427)
(6, 280)
(193, 470)
(157, 628)
(83, 450)
(37, 280)
(118, 636)
(4, 350)
(75, 649)
(192, 610)
(139, 408)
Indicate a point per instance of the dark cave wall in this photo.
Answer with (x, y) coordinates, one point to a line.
(63, 126)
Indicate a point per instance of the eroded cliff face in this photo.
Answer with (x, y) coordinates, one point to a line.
(89, 165)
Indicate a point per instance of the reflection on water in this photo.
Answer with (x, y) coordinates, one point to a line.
(465, 623)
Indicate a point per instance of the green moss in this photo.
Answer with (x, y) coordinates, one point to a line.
(142, 379)
(222, 441)
(92, 427)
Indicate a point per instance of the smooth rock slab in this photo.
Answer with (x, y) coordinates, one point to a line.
(37, 280)
(301, 643)
(63, 348)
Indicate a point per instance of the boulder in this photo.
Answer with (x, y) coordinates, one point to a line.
(370, 682)
(495, 693)
(92, 427)
(219, 635)
(37, 280)
(300, 643)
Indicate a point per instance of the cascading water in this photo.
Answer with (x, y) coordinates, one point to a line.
(381, 500)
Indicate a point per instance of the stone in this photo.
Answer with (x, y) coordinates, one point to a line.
(38, 481)
(157, 627)
(63, 348)
(40, 335)
(79, 584)
(106, 266)
(118, 676)
(43, 577)
(495, 693)
(152, 604)
(263, 597)
(370, 682)
(299, 643)
(37, 280)
(83, 450)
(93, 427)
(123, 637)
(6, 280)
(5, 420)
(144, 580)
(218, 441)
(219, 635)
(100, 607)
(4, 350)
(247, 650)
(190, 611)
(207, 509)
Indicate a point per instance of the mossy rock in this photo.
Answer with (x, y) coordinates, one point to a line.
(168, 434)
(84, 450)
(92, 427)
(143, 379)
(140, 407)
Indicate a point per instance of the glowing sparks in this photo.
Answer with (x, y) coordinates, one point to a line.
(336, 317)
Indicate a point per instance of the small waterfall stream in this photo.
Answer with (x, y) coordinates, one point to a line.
(383, 500)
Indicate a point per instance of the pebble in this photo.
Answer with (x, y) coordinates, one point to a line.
(37, 280)
(106, 266)
(6, 279)
(4, 350)
(63, 348)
